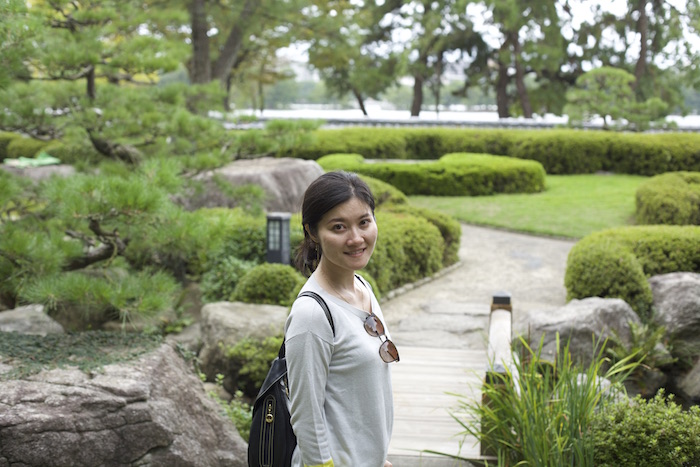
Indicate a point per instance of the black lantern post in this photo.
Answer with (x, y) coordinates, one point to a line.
(278, 250)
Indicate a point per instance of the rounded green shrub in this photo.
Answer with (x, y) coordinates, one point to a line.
(5, 139)
(408, 248)
(449, 228)
(670, 198)
(607, 269)
(220, 279)
(24, 147)
(459, 174)
(618, 262)
(268, 283)
(232, 233)
(654, 433)
(248, 364)
(384, 194)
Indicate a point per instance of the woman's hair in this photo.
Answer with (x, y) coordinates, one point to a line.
(326, 192)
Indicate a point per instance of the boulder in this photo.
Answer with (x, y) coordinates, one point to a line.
(29, 319)
(284, 181)
(582, 323)
(224, 324)
(150, 411)
(677, 305)
(689, 384)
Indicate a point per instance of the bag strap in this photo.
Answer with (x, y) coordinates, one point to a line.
(324, 306)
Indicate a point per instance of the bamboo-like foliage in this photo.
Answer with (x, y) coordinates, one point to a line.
(538, 413)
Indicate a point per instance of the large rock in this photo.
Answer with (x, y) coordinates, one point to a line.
(677, 305)
(689, 384)
(224, 324)
(29, 319)
(152, 411)
(284, 180)
(582, 323)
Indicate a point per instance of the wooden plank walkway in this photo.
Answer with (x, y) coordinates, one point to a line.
(423, 383)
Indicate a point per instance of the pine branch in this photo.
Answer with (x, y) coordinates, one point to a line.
(112, 245)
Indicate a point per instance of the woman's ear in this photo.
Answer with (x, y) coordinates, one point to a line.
(308, 231)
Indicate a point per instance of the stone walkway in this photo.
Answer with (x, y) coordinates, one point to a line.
(440, 327)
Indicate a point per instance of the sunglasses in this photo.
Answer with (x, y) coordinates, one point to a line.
(375, 328)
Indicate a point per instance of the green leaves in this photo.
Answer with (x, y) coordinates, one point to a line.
(539, 412)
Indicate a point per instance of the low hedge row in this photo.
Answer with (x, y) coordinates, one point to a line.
(616, 263)
(561, 151)
(24, 147)
(5, 139)
(459, 174)
(670, 198)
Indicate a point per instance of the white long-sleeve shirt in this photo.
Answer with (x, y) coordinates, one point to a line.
(340, 389)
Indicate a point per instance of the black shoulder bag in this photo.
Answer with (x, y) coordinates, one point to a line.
(272, 441)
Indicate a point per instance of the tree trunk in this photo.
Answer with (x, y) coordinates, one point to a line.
(261, 96)
(360, 101)
(523, 95)
(201, 63)
(227, 57)
(417, 95)
(502, 91)
(90, 83)
(643, 30)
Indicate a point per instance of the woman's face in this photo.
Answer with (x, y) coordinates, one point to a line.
(347, 234)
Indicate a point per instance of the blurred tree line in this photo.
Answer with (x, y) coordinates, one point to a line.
(525, 55)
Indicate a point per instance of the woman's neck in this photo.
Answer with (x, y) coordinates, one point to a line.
(345, 287)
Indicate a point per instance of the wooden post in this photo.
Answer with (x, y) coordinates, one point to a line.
(499, 352)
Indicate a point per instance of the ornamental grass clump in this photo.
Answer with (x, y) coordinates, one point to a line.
(539, 412)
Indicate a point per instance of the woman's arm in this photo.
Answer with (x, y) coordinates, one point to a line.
(309, 347)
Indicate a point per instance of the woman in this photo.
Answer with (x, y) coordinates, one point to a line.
(340, 386)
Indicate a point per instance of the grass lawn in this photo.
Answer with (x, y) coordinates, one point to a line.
(572, 206)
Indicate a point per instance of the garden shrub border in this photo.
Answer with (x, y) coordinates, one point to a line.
(561, 151)
(616, 263)
(457, 174)
(670, 198)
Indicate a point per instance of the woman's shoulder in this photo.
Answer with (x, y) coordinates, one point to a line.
(308, 315)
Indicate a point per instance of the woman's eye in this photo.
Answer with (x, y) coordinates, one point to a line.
(338, 227)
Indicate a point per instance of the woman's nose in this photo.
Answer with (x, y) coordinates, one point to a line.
(354, 236)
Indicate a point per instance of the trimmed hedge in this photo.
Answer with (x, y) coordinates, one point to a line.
(449, 228)
(5, 139)
(616, 263)
(654, 433)
(460, 174)
(24, 147)
(409, 248)
(561, 151)
(270, 283)
(670, 198)
(384, 194)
